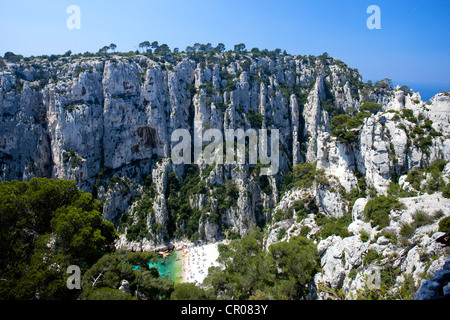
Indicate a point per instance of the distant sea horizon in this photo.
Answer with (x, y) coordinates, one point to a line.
(426, 90)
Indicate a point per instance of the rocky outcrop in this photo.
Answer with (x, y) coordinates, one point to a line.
(107, 122)
(125, 286)
(437, 287)
(346, 268)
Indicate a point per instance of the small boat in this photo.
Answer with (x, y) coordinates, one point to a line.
(164, 254)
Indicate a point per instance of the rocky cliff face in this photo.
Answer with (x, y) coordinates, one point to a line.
(90, 119)
(107, 122)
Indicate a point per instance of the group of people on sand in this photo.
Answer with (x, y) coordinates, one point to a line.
(195, 264)
(196, 259)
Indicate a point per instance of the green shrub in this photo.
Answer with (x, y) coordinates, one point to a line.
(256, 119)
(423, 143)
(332, 110)
(189, 291)
(72, 157)
(409, 115)
(110, 294)
(401, 126)
(438, 164)
(392, 236)
(435, 183)
(415, 178)
(282, 215)
(395, 190)
(302, 177)
(406, 230)
(371, 107)
(377, 210)
(137, 231)
(371, 256)
(342, 125)
(299, 207)
(444, 224)
(304, 231)
(333, 226)
(364, 235)
(70, 108)
(281, 233)
(11, 57)
(446, 191)
(352, 274)
(389, 274)
(438, 214)
(421, 218)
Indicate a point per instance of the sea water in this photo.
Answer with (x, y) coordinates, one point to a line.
(169, 267)
(427, 90)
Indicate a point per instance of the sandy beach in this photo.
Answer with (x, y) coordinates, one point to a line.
(196, 260)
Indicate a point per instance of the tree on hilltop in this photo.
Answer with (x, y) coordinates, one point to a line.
(239, 47)
(144, 45)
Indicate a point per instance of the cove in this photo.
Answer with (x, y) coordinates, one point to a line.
(168, 267)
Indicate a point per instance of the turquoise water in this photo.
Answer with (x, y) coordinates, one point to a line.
(169, 266)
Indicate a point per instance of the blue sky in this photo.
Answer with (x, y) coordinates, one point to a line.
(412, 47)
